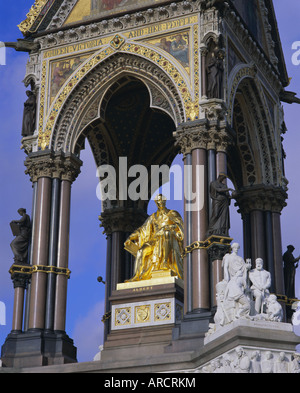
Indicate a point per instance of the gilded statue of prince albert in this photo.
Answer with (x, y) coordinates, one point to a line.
(158, 243)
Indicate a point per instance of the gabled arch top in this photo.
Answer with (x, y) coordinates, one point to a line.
(89, 10)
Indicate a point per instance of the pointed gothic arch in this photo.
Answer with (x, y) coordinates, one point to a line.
(72, 107)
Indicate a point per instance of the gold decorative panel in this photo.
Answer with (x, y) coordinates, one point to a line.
(89, 9)
(122, 316)
(162, 311)
(142, 313)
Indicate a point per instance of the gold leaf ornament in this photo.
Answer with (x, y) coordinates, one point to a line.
(32, 16)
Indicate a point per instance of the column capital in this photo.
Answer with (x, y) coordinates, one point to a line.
(52, 165)
(20, 274)
(192, 136)
(261, 197)
(218, 251)
(122, 219)
(209, 133)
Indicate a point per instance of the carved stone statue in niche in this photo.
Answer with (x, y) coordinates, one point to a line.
(21, 229)
(214, 74)
(29, 115)
(290, 266)
(219, 222)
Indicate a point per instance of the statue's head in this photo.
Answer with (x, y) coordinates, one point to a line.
(160, 201)
(222, 176)
(22, 211)
(272, 298)
(235, 247)
(259, 263)
(291, 248)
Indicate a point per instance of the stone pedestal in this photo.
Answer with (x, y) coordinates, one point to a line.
(246, 346)
(37, 348)
(143, 315)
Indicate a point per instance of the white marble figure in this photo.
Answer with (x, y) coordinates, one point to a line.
(281, 364)
(233, 264)
(274, 309)
(267, 364)
(221, 316)
(261, 282)
(242, 362)
(255, 362)
(235, 293)
(259, 361)
(235, 297)
(294, 365)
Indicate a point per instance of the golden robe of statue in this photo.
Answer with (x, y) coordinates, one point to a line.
(158, 243)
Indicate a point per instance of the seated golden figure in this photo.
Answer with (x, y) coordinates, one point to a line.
(158, 243)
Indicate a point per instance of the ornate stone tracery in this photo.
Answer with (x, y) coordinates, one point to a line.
(115, 66)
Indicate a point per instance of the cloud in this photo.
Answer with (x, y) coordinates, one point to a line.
(88, 333)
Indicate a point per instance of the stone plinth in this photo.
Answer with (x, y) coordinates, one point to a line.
(143, 313)
(37, 348)
(242, 347)
(246, 346)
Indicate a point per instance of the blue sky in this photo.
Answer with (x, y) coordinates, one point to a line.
(87, 243)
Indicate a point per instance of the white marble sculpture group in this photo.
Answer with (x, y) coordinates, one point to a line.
(244, 293)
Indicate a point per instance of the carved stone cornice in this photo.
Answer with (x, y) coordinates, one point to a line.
(59, 34)
(52, 165)
(121, 219)
(261, 197)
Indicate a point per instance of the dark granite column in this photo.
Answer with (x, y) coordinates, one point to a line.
(247, 235)
(188, 270)
(277, 251)
(257, 235)
(62, 256)
(269, 263)
(28, 291)
(20, 284)
(40, 254)
(221, 162)
(53, 243)
(107, 285)
(117, 258)
(201, 291)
